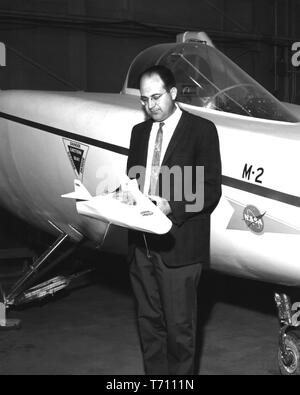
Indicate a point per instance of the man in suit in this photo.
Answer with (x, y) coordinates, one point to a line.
(165, 269)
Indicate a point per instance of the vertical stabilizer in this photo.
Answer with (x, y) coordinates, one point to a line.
(80, 192)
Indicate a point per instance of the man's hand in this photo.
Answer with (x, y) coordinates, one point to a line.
(162, 204)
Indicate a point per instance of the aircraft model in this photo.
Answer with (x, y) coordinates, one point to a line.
(127, 207)
(49, 138)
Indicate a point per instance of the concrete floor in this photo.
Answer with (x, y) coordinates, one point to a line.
(91, 328)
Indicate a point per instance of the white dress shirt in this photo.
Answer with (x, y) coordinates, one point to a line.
(168, 130)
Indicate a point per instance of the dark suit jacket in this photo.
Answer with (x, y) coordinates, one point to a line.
(194, 143)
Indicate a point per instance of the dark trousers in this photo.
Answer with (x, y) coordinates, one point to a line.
(167, 313)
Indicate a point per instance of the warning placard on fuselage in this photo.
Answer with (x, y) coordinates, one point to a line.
(77, 153)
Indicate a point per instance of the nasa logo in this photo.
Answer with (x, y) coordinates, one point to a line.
(146, 213)
(253, 219)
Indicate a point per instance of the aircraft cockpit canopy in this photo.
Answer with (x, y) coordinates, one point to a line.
(207, 78)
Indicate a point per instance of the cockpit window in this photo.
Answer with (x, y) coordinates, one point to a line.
(207, 78)
(143, 61)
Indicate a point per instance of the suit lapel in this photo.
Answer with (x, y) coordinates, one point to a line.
(182, 124)
(144, 152)
(144, 146)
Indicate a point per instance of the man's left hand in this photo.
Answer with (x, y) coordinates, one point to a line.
(162, 204)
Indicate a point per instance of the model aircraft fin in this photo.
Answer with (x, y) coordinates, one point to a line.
(80, 192)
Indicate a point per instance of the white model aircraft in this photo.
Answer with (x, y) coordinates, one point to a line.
(49, 138)
(128, 207)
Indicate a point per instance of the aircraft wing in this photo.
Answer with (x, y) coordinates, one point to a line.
(128, 208)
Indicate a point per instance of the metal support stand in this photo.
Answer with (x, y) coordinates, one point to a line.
(19, 286)
(22, 283)
(7, 323)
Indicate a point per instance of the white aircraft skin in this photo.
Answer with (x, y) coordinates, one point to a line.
(255, 230)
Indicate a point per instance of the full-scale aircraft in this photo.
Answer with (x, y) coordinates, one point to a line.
(48, 139)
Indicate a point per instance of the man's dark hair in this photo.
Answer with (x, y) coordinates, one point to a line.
(163, 72)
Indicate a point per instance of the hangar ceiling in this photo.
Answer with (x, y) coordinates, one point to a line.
(89, 44)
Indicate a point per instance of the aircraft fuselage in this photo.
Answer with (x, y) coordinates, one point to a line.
(48, 139)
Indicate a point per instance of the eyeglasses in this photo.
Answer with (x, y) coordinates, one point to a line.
(155, 98)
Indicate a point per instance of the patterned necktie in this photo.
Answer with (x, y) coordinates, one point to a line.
(155, 167)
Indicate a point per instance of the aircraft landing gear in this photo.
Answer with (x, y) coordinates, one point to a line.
(289, 339)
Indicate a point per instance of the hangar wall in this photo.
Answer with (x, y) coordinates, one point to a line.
(89, 44)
